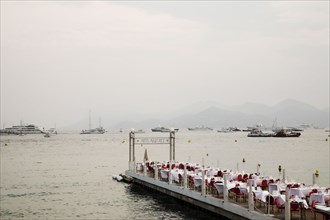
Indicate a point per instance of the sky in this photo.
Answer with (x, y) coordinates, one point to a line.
(130, 59)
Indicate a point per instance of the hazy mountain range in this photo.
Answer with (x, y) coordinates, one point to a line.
(212, 114)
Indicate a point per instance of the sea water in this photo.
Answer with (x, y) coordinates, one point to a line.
(69, 176)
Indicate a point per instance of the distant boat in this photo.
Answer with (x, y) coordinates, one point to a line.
(99, 130)
(295, 129)
(163, 129)
(140, 131)
(225, 130)
(229, 130)
(22, 130)
(201, 128)
(52, 130)
(46, 135)
(285, 133)
(259, 133)
(49, 131)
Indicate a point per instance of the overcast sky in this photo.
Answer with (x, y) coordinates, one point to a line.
(61, 59)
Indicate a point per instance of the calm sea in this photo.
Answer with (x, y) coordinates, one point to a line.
(69, 176)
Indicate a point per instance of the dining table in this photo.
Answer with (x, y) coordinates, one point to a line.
(319, 197)
(301, 192)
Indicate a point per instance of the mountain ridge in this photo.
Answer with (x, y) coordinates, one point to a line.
(288, 112)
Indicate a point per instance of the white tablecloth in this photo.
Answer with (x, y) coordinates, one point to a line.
(281, 200)
(164, 174)
(319, 198)
(243, 187)
(323, 208)
(175, 174)
(261, 195)
(301, 192)
(276, 187)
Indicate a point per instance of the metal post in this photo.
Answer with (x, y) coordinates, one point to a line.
(133, 143)
(225, 190)
(203, 182)
(173, 144)
(170, 173)
(314, 179)
(268, 212)
(237, 167)
(129, 152)
(283, 180)
(287, 205)
(170, 148)
(156, 171)
(145, 168)
(258, 167)
(185, 177)
(250, 199)
(129, 147)
(131, 140)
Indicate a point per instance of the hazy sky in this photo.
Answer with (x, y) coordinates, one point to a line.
(61, 59)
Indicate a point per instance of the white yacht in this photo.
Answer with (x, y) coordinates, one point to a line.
(163, 129)
(201, 128)
(99, 130)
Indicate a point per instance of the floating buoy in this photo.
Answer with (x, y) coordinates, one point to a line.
(123, 141)
(316, 173)
(189, 141)
(243, 160)
(235, 140)
(326, 139)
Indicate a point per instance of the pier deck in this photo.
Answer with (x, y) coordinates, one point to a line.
(210, 203)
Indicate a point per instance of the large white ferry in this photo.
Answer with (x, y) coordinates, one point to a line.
(22, 129)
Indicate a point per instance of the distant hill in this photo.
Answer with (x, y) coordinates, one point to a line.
(289, 112)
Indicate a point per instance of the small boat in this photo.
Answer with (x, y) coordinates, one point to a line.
(122, 178)
(99, 130)
(52, 130)
(259, 133)
(285, 133)
(163, 129)
(295, 129)
(229, 130)
(201, 128)
(46, 135)
(225, 130)
(140, 131)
